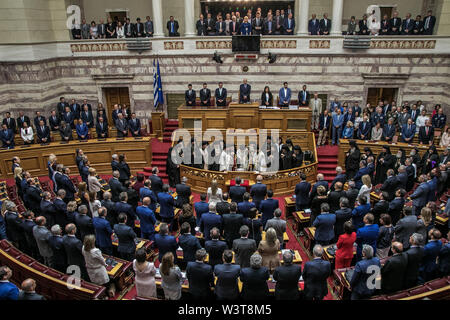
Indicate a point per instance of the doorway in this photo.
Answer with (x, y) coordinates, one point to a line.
(119, 95)
(174, 100)
(118, 15)
(388, 10)
(374, 95)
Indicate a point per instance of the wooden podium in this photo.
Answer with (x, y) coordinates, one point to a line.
(243, 116)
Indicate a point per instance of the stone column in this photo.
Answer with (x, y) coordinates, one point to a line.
(157, 19)
(302, 17)
(336, 22)
(442, 20)
(189, 14)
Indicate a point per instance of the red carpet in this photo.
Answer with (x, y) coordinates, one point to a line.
(328, 160)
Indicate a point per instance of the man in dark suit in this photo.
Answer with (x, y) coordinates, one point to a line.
(205, 96)
(59, 253)
(426, 133)
(405, 227)
(68, 117)
(395, 24)
(165, 243)
(7, 137)
(340, 177)
(244, 92)
(363, 26)
(407, 25)
(124, 207)
(267, 207)
(128, 29)
(55, 121)
(258, 191)
(231, 224)
(210, 25)
(75, 107)
(221, 95)
(172, 27)
(324, 127)
(103, 232)
(87, 117)
(287, 277)
(428, 23)
(385, 26)
(313, 26)
(10, 122)
(418, 26)
(116, 187)
(289, 25)
(420, 195)
(48, 209)
(60, 206)
(21, 119)
(73, 247)
(61, 106)
(167, 203)
(148, 27)
(183, 193)
(389, 130)
(157, 183)
(237, 191)
(324, 224)
(325, 25)
(364, 129)
(33, 196)
(393, 271)
(38, 118)
(335, 196)
(134, 124)
(27, 226)
(43, 133)
(188, 243)
(190, 96)
(220, 27)
(244, 247)
(201, 207)
(201, 26)
(390, 184)
(414, 256)
(244, 206)
(121, 126)
(28, 291)
(210, 220)
(320, 182)
(269, 25)
(301, 192)
(364, 269)
(139, 30)
(381, 206)
(315, 274)
(257, 24)
(408, 131)
(126, 238)
(303, 97)
(227, 278)
(223, 207)
(101, 128)
(215, 247)
(200, 277)
(84, 222)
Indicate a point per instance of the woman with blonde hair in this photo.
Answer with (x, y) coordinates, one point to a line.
(171, 277)
(18, 171)
(214, 193)
(51, 167)
(445, 139)
(71, 209)
(347, 133)
(94, 204)
(366, 187)
(95, 263)
(93, 183)
(144, 275)
(188, 216)
(268, 249)
(84, 194)
(425, 223)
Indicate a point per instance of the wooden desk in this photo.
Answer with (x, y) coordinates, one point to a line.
(308, 239)
(285, 236)
(377, 146)
(35, 157)
(289, 206)
(302, 219)
(245, 116)
(121, 274)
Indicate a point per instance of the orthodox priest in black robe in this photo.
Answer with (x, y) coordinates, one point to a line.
(385, 161)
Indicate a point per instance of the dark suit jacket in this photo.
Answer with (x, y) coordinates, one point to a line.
(315, 274)
(222, 96)
(222, 207)
(333, 199)
(313, 28)
(103, 232)
(237, 193)
(287, 277)
(322, 26)
(243, 249)
(363, 27)
(73, 247)
(43, 134)
(236, 27)
(424, 137)
(407, 26)
(190, 245)
(258, 192)
(232, 222)
(135, 127)
(84, 225)
(183, 194)
(122, 207)
(254, 283)
(201, 27)
(59, 252)
(322, 122)
(244, 91)
(414, 257)
(54, 122)
(69, 118)
(88, 118)
(300, 98)
(301, 191)
(29, 296)
(116, 188)
(215, 249)
(201, 279)
(175, 28)
(156, 184)
(12, 124)
(227, 281)
(20, 122)
(205, 96)
(224, 25)
(393, 272)
(141, 29)
(165, 244)
(101, 130)
(190, 98)
(267, 208)
(286, 27)
(397, 24)
(208, 221)
(38, 119)
(390, 185)
(264, 99)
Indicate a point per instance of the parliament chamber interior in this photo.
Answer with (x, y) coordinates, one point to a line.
(225, 150)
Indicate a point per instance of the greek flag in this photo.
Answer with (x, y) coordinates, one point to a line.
(158, 97)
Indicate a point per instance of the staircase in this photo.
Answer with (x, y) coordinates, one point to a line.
(327, 161)
(160, 149)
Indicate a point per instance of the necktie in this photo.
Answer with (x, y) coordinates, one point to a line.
(26, 131)
(270, 25)
(426, 130)
(171, 27)
(409, 127)
(289, 24)
(42, 129)
(427, 23)
(8, 121)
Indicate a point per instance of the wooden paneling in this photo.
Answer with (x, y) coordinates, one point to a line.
(34, 158)
(118, 95)
(158, 123)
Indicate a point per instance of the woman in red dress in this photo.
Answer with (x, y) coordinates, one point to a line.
(344, 252)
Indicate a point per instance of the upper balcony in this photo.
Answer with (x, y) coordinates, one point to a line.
(200, 46)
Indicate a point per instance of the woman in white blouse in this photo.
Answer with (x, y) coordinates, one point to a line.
(27, 134)
(445, 139)
(377, 132)
(95, 263)
(358, 120)
(93, 30)
(366, 187)
(214, 193)
(120, 30)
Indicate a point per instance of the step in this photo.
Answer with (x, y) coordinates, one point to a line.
(327, 161)
(326, 166)
(327, 172)
(159, 156)
(157, 163)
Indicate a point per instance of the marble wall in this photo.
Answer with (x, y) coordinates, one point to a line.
(33, 86)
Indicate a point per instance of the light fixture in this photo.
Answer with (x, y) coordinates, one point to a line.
(272, 58)
(217, 58)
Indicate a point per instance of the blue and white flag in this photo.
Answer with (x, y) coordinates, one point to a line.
(158, 97)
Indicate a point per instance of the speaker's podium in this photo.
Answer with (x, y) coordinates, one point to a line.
(246, 44)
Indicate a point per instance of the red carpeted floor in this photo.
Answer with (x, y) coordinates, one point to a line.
(327, 161)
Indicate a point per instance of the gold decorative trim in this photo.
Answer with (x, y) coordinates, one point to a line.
(402, 44)
(319, 44)
(98, 47)
(208, 44)
(173, 45)
(279, 44)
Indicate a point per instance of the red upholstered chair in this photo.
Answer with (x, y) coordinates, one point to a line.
(26, 259)
(40, 267)
(53, 273)
(14, 252)
(438, 283)
(400, 295)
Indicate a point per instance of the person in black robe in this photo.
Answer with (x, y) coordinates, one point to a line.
(430, 159)
(352, 158)
(385, 161)
(367, 153)
(172, 169)
(297, 157)
(399, 159)
(285, 159)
